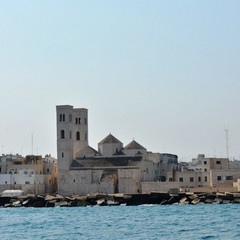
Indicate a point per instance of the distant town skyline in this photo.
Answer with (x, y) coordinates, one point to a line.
(164, 73)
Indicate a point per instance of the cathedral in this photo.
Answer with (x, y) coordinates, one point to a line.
(113, 168)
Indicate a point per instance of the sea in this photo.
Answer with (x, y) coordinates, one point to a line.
(215, 221)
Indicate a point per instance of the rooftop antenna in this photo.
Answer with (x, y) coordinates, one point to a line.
(32, 143)
(227, 146)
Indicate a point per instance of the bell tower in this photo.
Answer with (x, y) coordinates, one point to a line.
(72, 134)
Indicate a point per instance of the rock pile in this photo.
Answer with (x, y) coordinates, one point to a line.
(32, 200)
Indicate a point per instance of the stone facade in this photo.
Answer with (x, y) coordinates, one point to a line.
(112, 169)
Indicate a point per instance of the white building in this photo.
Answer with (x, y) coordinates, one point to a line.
(32, 174)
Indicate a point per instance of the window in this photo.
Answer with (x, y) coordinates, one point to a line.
(205, 162)
(62, 154)
(48, 170)
(205, 170)
(191, 179)
(205, 179)
(63, 117)
(70, 135)
(170, 179)
(62, 134)
(78, 121)
(27, 182)
(180, 179)
(70, 117)
(199, 179)
(218, 162)
(60, 117)
(77, 135)
(219, 178)
(229, 177)
(5, 182)
(85, 121)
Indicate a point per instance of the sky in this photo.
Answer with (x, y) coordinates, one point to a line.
(165, 73)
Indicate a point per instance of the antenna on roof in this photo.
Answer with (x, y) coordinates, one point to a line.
(32, 143)
(227, 146)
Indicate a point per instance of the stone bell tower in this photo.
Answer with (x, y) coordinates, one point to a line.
(72, 134)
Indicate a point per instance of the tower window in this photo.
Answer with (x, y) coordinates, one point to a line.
(63, 117)
(77, 135)
(62, 134)
(60, 117)
(78, 121)
(62, 154)
(70, 117)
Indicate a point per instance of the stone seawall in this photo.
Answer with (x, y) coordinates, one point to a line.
(31, 200)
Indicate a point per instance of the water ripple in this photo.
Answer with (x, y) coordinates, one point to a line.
(121, 222)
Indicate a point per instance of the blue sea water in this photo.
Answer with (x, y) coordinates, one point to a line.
(122, 222)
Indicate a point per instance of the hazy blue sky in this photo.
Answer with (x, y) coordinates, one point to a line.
(166, 73)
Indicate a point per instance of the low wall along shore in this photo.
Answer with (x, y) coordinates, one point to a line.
(31, 200)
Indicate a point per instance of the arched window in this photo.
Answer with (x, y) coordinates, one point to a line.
(78, 135)
(62, 134)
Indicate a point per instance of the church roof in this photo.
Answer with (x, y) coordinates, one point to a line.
(99, 162)
(110, 139)
(87, 151)
(134, 145)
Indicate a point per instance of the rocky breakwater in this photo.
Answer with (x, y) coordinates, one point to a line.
(31, 200)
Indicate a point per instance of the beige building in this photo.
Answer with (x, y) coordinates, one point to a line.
(32, 174)
(201, 175)
(112, 169)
